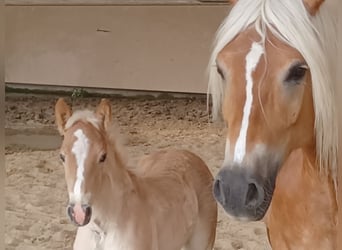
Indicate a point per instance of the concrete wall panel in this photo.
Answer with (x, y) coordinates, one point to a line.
(162, 48)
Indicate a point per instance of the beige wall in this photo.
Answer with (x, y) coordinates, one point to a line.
(112, 2)
(163, 48)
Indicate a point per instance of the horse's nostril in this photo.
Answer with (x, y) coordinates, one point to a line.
(217, 188)
(252, 195)
(87, 210)
(221, 192)
(70, 212)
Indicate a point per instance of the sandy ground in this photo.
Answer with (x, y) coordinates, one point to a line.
(35, 187)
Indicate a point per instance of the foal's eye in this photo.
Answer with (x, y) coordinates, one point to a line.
(103, 157)
(62, 157)
(296, 73)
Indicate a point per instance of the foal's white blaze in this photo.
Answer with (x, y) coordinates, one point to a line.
(252, 60)
(80, 150)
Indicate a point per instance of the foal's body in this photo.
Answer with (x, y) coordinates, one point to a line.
(164, 203)
(162, 207)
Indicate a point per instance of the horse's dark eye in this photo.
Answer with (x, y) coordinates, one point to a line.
(296, 74)
(62, 157)
(103, 157)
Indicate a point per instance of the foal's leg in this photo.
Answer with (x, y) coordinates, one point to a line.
(203, 237)
(204, 233)
(85, 239)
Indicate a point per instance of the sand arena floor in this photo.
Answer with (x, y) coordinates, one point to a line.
(35, 187)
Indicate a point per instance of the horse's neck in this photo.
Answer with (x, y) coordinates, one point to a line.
(118, 194)
(302, 214)
(122, 213)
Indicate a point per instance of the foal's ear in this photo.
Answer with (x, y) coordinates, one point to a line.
(104, 112)
(62, 114)
(313, 5)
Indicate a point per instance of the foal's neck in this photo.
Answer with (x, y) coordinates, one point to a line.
(302, 214)
(118, 193)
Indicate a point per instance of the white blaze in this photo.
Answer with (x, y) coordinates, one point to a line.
(252, 60)
(80, 150)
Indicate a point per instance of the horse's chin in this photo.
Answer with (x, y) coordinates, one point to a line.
(256, 215)
(82, 224)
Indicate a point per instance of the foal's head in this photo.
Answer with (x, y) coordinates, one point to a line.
(83, 154)
(267, 101)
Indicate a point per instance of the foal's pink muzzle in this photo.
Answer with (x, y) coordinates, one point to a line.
(79, 214)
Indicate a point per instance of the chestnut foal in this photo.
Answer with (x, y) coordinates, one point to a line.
(164, 203)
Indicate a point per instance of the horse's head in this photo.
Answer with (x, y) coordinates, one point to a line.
(269, 112)
(267, 104)
(83, 154)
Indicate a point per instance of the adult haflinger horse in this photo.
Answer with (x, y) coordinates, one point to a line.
(274, 76)
(165, 203)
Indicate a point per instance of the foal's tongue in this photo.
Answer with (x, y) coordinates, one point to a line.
(79, 214)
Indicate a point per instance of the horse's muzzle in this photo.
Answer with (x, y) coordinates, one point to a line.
(241, 195)
(80, 215)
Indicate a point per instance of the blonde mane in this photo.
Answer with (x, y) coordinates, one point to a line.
(314, 37)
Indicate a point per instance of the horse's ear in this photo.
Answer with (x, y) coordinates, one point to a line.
(313, 6)
(62, 114)
(104, 112)
(232, 1)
